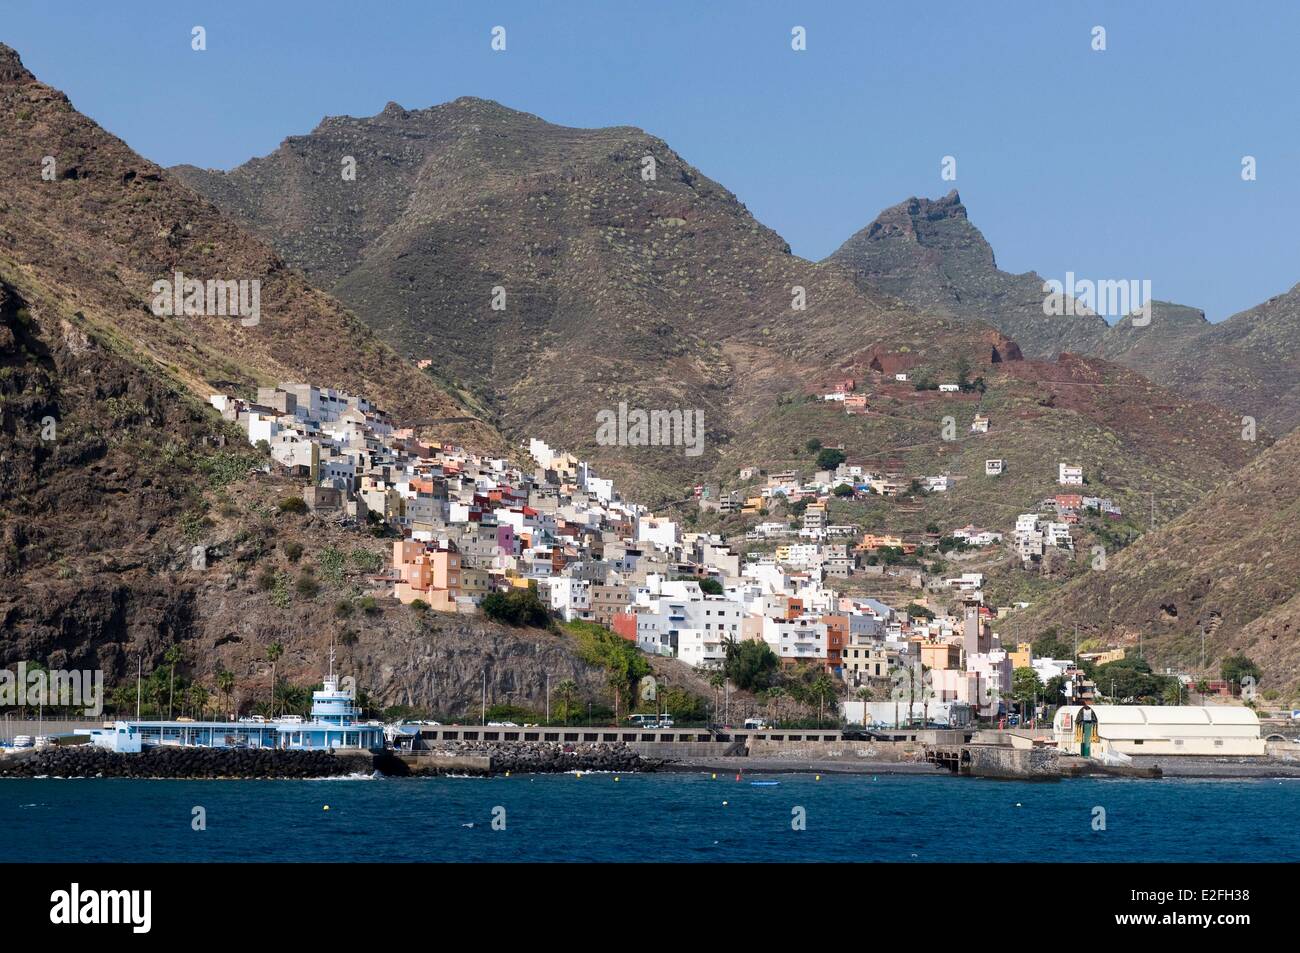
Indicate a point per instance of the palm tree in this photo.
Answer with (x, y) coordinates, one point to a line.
(198, 699)
(617, 681)
(273, 653)
(566, 692)
(717, 678)
(173, 655)
(226, 684)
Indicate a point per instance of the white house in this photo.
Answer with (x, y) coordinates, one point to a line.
(1164, 730)
(801, 639)
(1070, 475)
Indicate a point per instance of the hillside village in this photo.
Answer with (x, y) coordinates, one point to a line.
(858, 606)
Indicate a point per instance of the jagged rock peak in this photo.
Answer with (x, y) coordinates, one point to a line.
(11, 67)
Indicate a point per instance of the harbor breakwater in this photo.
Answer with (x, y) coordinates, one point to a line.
(167, 761)
(88, 761)
(532, 757)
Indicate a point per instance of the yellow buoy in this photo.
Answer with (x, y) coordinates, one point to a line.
(724, 803)
(325, 808)
(817, 778)
(579, 773)
(616, 779)
(715, 775)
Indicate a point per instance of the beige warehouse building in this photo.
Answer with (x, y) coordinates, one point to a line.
(1164, 730)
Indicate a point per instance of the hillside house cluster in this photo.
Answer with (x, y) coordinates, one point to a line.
(470, 525)
(1034, 535)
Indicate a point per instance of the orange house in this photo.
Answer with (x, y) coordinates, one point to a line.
(837, 637)
(429, 573)
(624, 625)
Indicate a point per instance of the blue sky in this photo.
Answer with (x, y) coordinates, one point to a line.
(1117, 164)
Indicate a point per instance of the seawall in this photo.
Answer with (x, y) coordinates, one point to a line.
(88, 761)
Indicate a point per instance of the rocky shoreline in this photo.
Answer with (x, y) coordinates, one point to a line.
(531, 757)
(455, 758)
(88, 761)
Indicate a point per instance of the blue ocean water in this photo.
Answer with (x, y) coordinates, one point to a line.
(653, 817)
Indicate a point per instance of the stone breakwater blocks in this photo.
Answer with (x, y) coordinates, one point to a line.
(534, 757)
(87, 761)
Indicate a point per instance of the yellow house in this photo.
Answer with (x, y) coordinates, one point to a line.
(1022, 657)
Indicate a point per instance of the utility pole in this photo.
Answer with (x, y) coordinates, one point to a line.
(483, 703)
(1202, 647)
(548, 698)
(139, 673)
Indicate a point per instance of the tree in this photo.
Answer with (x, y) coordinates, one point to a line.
(718, 680)
(711, 587)
(963, 373)
(1025, 687)
(824, 691)
(1236, 667)
(751, 665)
(829, 459)
(226, 685)
(273, 653)
(1131, 678)
(518, 607)
(1048, 644)
(198, 699)
(814, 445)
(566, 693)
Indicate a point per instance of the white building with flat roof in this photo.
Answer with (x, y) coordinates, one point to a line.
(1164, 730)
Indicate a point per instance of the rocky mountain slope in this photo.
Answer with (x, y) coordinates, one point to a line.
(92, 224)
(664, 292)
(660, 290)
(1249, 363)
(928, 254)
(1231, 565)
